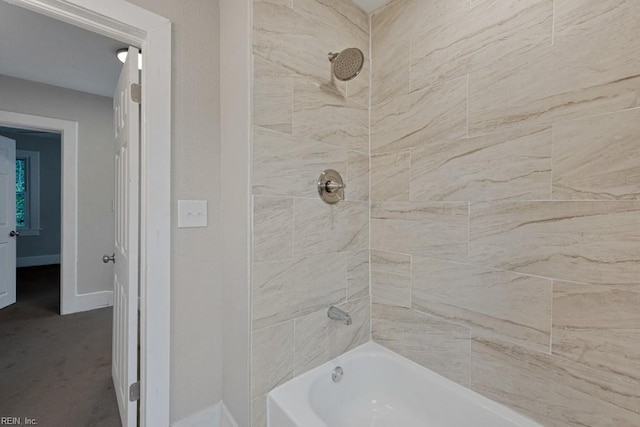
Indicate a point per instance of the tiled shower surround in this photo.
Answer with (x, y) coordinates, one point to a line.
(504, 247)
(307, 255)
(505, 221)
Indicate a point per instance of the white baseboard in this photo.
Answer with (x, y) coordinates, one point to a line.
(34, 261)
(86, 302)
(214, 416)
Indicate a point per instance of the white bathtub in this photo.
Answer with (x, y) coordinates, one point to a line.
(382, 389)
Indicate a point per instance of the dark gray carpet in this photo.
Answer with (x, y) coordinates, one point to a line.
(56, 369)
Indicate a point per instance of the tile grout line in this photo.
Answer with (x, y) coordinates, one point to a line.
(468, 228)
(410, 281)
(553, 287)
(294, 347)
(411, 62)
(552, 163)
(370, 175)
(468, 84)
(293, 228)
(410, 173)
(346, 280)
(470, 356)
(553, 23)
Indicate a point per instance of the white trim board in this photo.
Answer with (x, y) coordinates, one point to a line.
(138, 27)
(37, 260)
(92, 301)
(69, 192)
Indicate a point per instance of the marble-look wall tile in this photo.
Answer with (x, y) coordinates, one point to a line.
(322, 228)
(319, 339)
(284, 290)
(390, 73)
(599, 327)
(439, 112)
(481, 34)
(585, 16)
(586, 242)
(403, 20)
(344, 18)
(432, 229)
(323, 115)
(287, 166)
(436, 344)
(391, 176)
(562, 82)
(358, 275)
(515, 306)
(357, 178)
(554, 392)
(508, 165)
(288, 39)
(527, 110)
(272, 96)
(597, 157)
(391, 278)
(306, 121)
(271, 358)
(272, 228)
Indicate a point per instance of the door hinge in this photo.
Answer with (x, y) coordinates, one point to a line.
(134, 391)
(136, 93)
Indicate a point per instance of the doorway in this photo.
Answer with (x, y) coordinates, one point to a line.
(70, 302)
(138, 27)
(38, 218)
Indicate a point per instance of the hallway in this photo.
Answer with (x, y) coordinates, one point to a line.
(56, 369)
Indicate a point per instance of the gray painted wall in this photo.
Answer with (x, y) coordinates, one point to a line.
(48, 241)
(95, 167)
(196, 296)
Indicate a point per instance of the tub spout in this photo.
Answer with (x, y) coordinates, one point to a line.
(336, 314)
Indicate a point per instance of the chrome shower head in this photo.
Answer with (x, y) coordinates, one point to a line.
(347, 64)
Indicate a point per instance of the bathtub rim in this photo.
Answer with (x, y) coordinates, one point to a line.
(299, 404)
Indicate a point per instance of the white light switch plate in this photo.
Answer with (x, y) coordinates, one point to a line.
(192, 213)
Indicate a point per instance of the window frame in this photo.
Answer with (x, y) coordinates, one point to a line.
(32, 192)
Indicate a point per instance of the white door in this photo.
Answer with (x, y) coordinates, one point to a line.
(7, 222)
(125, 279)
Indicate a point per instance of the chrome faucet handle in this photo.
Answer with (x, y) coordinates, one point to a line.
(333, 186)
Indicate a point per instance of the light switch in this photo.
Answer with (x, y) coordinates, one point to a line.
(192, 213)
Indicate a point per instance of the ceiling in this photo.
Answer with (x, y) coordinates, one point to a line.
(42, 49)
(371, 5)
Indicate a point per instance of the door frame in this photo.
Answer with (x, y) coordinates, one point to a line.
(150, 32)
(69, 197)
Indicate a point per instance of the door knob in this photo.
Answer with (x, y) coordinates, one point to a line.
(107, 259)
(14, 234)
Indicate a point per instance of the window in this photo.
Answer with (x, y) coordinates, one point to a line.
(21, 193)
(28, 192)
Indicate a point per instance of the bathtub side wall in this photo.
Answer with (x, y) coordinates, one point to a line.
(504, 221)
(307, 255)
